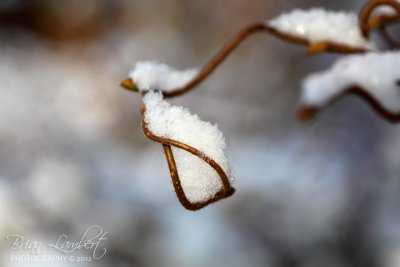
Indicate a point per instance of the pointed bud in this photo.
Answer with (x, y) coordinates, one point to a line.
(128, 84)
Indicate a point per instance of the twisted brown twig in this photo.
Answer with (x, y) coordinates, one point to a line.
(305, 113)
(233, 43)
(366, 23)
(226, 191)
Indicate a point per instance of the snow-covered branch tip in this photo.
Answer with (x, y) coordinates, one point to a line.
(194, 149)
(299, 26)
(373, 76)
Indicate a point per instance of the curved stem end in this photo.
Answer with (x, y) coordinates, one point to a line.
(306, 113)
(129, 85)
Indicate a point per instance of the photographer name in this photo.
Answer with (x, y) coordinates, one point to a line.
(91, 240)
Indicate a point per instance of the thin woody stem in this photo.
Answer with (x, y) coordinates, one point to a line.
(388, 115)
(366, 12)
(235, 41)
(226, 190)
(178, 187)
(307, 112)
(218, 58)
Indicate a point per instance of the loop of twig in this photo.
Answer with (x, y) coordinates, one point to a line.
(366, 23)
(226, 190)
(306, 112)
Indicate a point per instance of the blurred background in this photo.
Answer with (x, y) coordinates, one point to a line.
(72, 153)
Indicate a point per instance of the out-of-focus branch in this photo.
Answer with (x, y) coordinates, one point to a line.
(366, 22)
(305, 113)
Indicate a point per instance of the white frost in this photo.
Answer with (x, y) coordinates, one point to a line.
(318, 25)
(200, 181)
(377, 73)
(152, 75)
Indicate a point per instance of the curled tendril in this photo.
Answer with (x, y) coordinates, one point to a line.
(226, 191)
(366, 22)
(233, 43)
